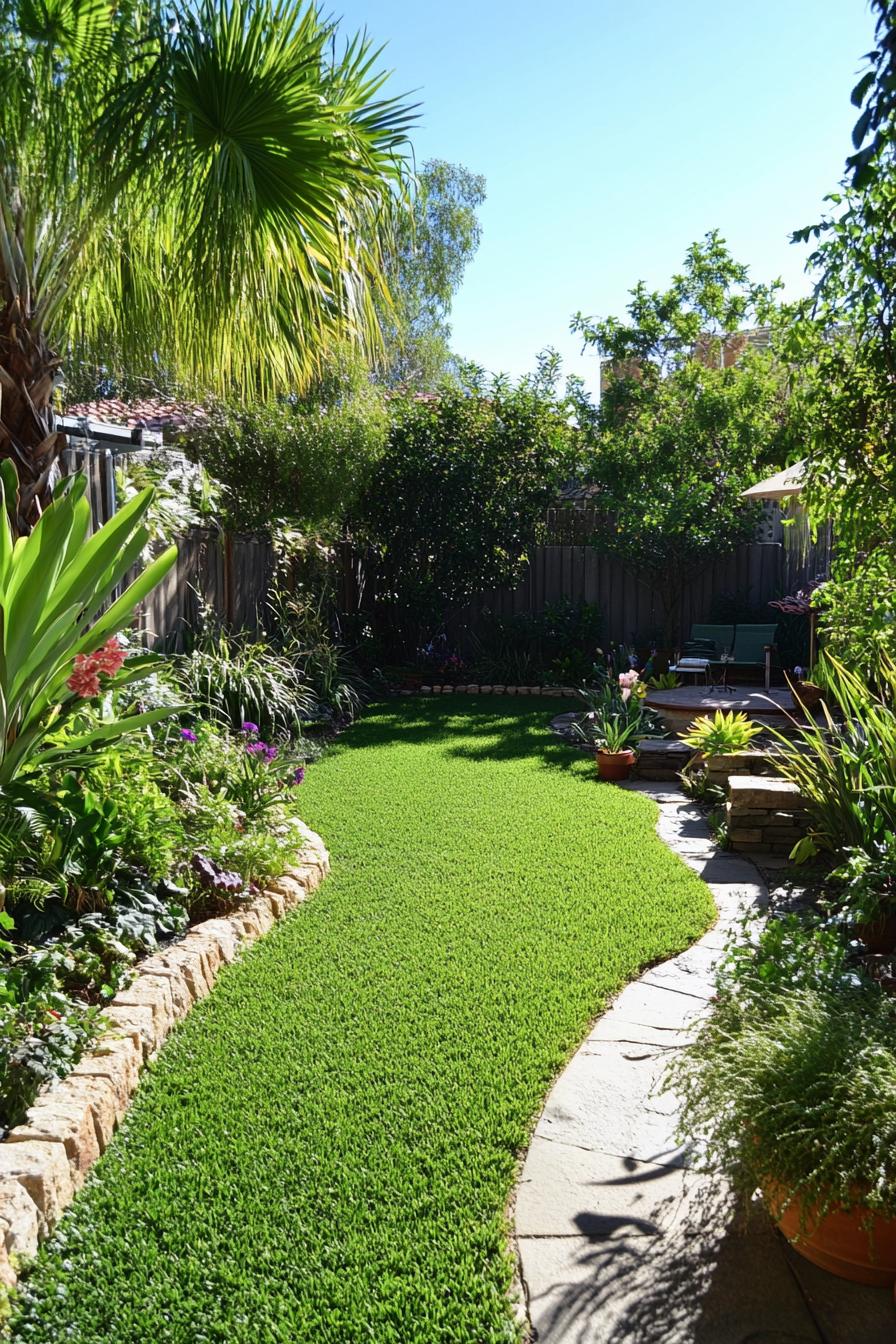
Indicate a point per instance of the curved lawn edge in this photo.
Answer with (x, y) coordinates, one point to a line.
(327, 1150)
(45, 1160)
(599, 1165)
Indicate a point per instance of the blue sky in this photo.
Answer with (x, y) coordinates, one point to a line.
(612, 133)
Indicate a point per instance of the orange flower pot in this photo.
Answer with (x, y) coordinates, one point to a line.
(614, 765)
(845, 1243)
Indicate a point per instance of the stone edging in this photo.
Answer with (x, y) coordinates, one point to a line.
(569, 692)
(604, 1184)
(44, 1162)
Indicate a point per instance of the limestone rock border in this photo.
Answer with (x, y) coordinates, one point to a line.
(557, 692)
(45, 1160)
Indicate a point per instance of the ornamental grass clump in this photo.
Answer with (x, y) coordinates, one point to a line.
(790, 1085)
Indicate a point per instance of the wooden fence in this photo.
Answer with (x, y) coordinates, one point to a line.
(231, 576)
(746, 580)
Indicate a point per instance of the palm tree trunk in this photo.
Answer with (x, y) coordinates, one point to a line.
(28, 434)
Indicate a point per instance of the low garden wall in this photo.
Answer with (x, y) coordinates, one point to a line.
(764, 815)
(44, 1162)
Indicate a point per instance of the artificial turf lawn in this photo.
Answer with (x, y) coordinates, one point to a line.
(325, 1149)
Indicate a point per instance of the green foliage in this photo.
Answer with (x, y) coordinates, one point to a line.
(300, 621)
(456, 500)
(386, 1048)
(721, 734)
(842, 344)
(555, 646)
(43, 1030)
(195, 188)
(184, 496)
(426, 253)
(678, 434)
(845, 765)
(55, 587)
(303, 461)
(616, 721)
(664, 681)
(791, 1082)
(257, 777)
(232, 679)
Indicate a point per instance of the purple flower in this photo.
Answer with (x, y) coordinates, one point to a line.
(251, 729)
(270, 753)
(299, 775)
(188, 735)
(256, 748)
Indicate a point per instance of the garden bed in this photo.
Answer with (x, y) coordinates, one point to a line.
(44, 1160)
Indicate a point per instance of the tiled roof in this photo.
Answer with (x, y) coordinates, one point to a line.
(148, 412)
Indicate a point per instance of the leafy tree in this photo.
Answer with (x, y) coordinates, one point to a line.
(300, 461)
(691, 413)
(843, 345)
(427, 253)
(455, 502)
(194, 187)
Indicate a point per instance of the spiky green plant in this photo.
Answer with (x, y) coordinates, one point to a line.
(721, 734)
(844, 762)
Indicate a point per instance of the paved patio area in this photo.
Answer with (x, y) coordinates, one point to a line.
(620, 1240)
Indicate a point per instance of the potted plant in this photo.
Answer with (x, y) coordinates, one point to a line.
(616, 721)
(790, 1088)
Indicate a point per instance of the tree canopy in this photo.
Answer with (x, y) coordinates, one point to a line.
(842, 342)
(691, 413)
(427, 251)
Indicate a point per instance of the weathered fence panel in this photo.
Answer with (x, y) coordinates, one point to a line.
(231, 576)
(752, 575)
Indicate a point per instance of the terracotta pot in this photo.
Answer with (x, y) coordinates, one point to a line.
(879, 935)
(845, 1244)
(614, 765)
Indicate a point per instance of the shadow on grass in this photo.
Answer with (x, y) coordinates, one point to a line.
(510, 728)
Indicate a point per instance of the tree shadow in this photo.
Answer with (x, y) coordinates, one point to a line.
(716, 1275)
(510, 728)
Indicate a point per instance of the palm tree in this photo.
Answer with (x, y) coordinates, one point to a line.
(196, 189)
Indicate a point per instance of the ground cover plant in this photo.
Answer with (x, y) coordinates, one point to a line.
(325, 1149)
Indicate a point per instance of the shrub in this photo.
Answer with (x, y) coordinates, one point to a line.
(234, 678)
(300, 461)
(558, 645)
(456, 500)
(791, 1082)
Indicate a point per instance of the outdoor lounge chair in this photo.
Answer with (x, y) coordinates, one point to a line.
(752, 647)
(709, 641)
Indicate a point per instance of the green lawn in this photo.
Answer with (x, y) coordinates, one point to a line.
(324, 1151)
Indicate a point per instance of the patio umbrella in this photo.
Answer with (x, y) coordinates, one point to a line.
(784, 485)
(780, 486)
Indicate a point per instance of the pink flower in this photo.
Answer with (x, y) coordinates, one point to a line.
(84, 681)
(109, 658)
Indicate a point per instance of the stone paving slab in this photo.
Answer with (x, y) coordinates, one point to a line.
(623, 1197)
(733, 1287)
(619, 1241)
(607, 1099)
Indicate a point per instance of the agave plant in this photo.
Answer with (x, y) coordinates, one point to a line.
(57, 610)
(188, 187)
